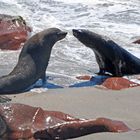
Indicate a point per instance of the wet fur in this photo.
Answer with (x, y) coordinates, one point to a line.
(110, 57)
(32, 63)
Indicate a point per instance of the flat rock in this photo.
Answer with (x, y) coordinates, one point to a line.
(118, 83)
(20, 121)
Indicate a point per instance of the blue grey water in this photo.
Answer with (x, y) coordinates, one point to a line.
(117, 19)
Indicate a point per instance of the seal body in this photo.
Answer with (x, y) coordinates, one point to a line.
(32, 63)
(110, 57)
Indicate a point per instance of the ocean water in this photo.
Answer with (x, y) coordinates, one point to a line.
(117, 19)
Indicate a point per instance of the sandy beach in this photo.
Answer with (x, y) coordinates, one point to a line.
(91, 103)
(117, 19)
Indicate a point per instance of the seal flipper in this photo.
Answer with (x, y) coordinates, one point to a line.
(101, 72)
(43, 78)
(118, 71)
(119, 59)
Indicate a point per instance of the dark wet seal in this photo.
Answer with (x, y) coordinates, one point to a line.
(112, 59)
(4, 99)
(3, 127)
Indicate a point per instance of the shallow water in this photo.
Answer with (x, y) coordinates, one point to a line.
(118, 19)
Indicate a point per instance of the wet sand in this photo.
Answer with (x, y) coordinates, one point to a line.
(91, 103)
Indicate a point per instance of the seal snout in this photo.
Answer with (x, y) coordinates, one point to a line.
(62, 35)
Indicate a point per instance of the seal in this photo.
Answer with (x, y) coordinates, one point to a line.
(32, 62)
(111, 58)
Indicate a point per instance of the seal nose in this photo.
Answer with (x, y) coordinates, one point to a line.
(62, 35)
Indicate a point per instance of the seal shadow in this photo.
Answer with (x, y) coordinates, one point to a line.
(95, 80)
(46, 85)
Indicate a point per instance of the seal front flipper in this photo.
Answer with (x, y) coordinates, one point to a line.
(101, 72)
(43, 78)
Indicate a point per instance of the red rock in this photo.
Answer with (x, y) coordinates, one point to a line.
(13, 32)
(18, 121)
(84, 77)
(137, 41)
(117, 83)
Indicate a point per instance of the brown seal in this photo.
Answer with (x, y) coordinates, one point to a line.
(32, 63)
